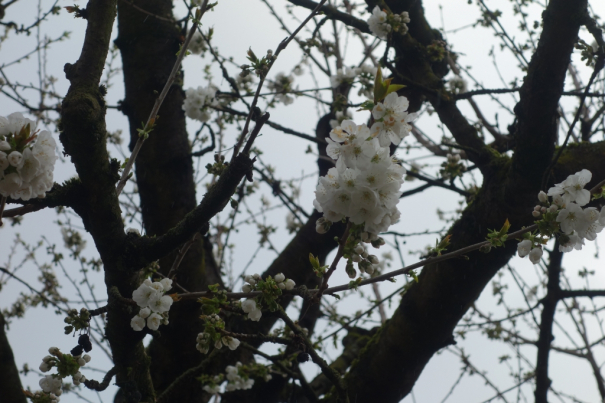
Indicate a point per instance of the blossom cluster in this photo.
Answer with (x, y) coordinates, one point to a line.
(382, 23)
(41, 397)
(236, 381)
(238, 376)
(250, 305)
(279, 278)
(197, 101)
(367, 263)
(197, 45)
(52, 385)
(154, 304)
(457, 85)
(341, 116)
(26, 167)
(212, 336)
(282, 85)
(452, 168)
(364, 185)
(561, 212)
(67, 365)
(364, 74)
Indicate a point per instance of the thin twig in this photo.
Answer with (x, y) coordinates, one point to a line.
(99, 387)
(188, 373)
(280, 47)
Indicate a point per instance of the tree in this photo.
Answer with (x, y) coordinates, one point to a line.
(188, 241)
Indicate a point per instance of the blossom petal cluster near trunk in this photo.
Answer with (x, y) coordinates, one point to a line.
(364, 185)
(154, 304)
(27, 158)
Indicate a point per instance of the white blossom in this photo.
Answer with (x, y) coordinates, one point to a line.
(574, 242)
(154, 321)
(457, 84)
(197, 45)
(570, 217)
(542, 197)
(535, 255)
(345, 75)
(378, 23)
(15, 158)
(255, 315)
(340, 117)
(282, 85)
(230, 342)
(144, 295)
(524, 247)
(197, 101)
(248, 305)
(202, 342)
(166, 284)
(279, 277)
(137, 323)
(13, 123)
(392, 120)
(572, 188)
(161, 304)
(144, 312)
(50, 384)
(290, 284)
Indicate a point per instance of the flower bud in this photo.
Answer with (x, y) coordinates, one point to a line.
(535, 255)
(542, 197)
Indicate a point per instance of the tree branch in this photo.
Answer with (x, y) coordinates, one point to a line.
(549, 308)
(213, 202)
(10, 387)
(335, 14)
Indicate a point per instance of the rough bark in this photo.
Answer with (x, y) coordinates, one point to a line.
(10, 387)
(83, 135)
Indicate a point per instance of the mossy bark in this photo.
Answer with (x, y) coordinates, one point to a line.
(83, 135)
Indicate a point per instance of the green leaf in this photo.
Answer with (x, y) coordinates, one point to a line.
(394, 88)
(366, 106)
